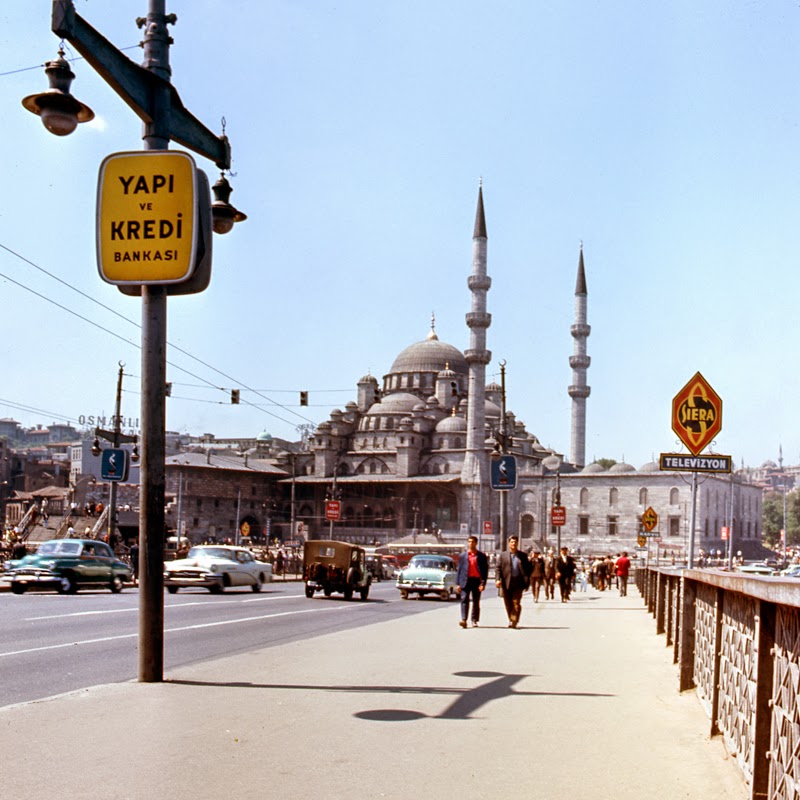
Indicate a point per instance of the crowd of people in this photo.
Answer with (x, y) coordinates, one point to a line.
(517, 571)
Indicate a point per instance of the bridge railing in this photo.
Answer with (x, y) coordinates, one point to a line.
(736, 641)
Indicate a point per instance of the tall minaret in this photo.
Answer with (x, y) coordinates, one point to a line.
(579, 362)
(475, 470)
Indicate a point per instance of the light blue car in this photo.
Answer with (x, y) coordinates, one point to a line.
(429, 574)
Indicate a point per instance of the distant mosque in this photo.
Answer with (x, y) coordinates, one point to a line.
(412, 455)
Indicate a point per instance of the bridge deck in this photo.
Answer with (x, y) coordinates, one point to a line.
(580, 701)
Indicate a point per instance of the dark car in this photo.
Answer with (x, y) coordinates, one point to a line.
(330, 566)
(67, 565)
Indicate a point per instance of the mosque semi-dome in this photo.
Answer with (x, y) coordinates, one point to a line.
(452, 424)
(622, 466)
(430, 355)
(395, 403)
(650, 466)
(592, 469)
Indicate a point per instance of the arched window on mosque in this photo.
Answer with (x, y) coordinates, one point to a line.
(584, 497)
(613, 496)
(446, 468)
(674, 497)
(642, 497)
(458, 444)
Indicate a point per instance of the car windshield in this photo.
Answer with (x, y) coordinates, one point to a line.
(426, 562)
(212, 552)
(62, 548)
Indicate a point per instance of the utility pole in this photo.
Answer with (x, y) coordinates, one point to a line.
(149, 93)
(503, 451)
(116, 437)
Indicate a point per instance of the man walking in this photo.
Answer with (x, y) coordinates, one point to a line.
(513, 577)
(565, 572)
(537, 574)
(471, 577)
(550, 575)
(623, 569)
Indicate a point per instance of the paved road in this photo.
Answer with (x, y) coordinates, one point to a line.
(69, 642)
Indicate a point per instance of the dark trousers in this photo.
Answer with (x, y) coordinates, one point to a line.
(471, 590)
(512, 598)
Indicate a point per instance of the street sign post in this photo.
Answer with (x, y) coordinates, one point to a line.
(649, 519)
(558, 516)
(114, 465)
(697, 414)
(504, 472)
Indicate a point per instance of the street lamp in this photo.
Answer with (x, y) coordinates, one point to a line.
(59, 110)
(148, 91)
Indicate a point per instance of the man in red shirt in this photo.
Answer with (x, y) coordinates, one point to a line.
(473, 572)
(623, 568)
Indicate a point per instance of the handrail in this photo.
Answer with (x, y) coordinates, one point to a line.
(736, 640)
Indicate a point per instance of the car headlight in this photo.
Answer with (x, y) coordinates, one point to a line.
(213, 568)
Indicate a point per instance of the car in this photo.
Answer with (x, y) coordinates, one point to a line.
(391, 566)
(375, 567)
(330, 566)
(755, 569)
(68, 565)
(216, 567)
(429, 574)
(792, 571)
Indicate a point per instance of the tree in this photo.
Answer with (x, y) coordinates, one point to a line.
(772, 518)
(605, 463)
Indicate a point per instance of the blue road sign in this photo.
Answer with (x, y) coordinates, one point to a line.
(114, 464)
(504, 472)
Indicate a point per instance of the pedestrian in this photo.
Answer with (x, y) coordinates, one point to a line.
(134, 556)
(537, 574)
(550, 575)
(623, 568)
(471, 577)
(599, 572)
(565, 572)
(513, 578)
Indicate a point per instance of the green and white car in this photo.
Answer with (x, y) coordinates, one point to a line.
(429, 574)
(67, 565)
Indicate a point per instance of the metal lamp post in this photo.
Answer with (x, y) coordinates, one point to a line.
(148, 91)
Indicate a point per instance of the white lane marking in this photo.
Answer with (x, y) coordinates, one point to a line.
(171, 605)
(169, 630)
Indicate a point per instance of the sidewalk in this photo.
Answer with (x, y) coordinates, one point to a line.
(581, 699)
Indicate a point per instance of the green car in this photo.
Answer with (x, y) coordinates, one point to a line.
(429, 574)
(68, 564)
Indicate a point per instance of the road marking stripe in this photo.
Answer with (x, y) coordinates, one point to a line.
(170, 630)
(171, 605)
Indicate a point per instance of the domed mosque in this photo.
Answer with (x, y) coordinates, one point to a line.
(412, 456)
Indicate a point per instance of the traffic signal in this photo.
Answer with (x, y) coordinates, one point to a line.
(303, 398)
(235, 397)
(168, 389)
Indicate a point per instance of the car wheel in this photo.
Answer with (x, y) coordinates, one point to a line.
(326, 590)
(364, 592)
(258, 584)
(445, 595)
(309, 591)
(348, 592)
(215, 589)
(18, 588)
(172, 589)
(67, 585)
(403, 594)
(116, 584)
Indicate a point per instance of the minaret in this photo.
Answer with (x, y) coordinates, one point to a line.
(579, 362)
(474, 473)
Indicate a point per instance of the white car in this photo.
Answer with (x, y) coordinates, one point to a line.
(216, 567)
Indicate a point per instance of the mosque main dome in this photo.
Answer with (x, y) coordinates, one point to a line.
(430, 355)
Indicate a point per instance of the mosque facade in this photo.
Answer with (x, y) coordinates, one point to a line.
(412, 452)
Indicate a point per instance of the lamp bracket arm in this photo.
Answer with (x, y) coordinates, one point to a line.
(137, 86)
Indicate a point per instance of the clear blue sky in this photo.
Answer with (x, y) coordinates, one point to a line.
(663, 136)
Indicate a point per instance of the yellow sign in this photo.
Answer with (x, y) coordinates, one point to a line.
(649, 519)
(146, 217)
(245, 528)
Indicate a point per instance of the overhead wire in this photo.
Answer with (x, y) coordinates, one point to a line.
(138, 345)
